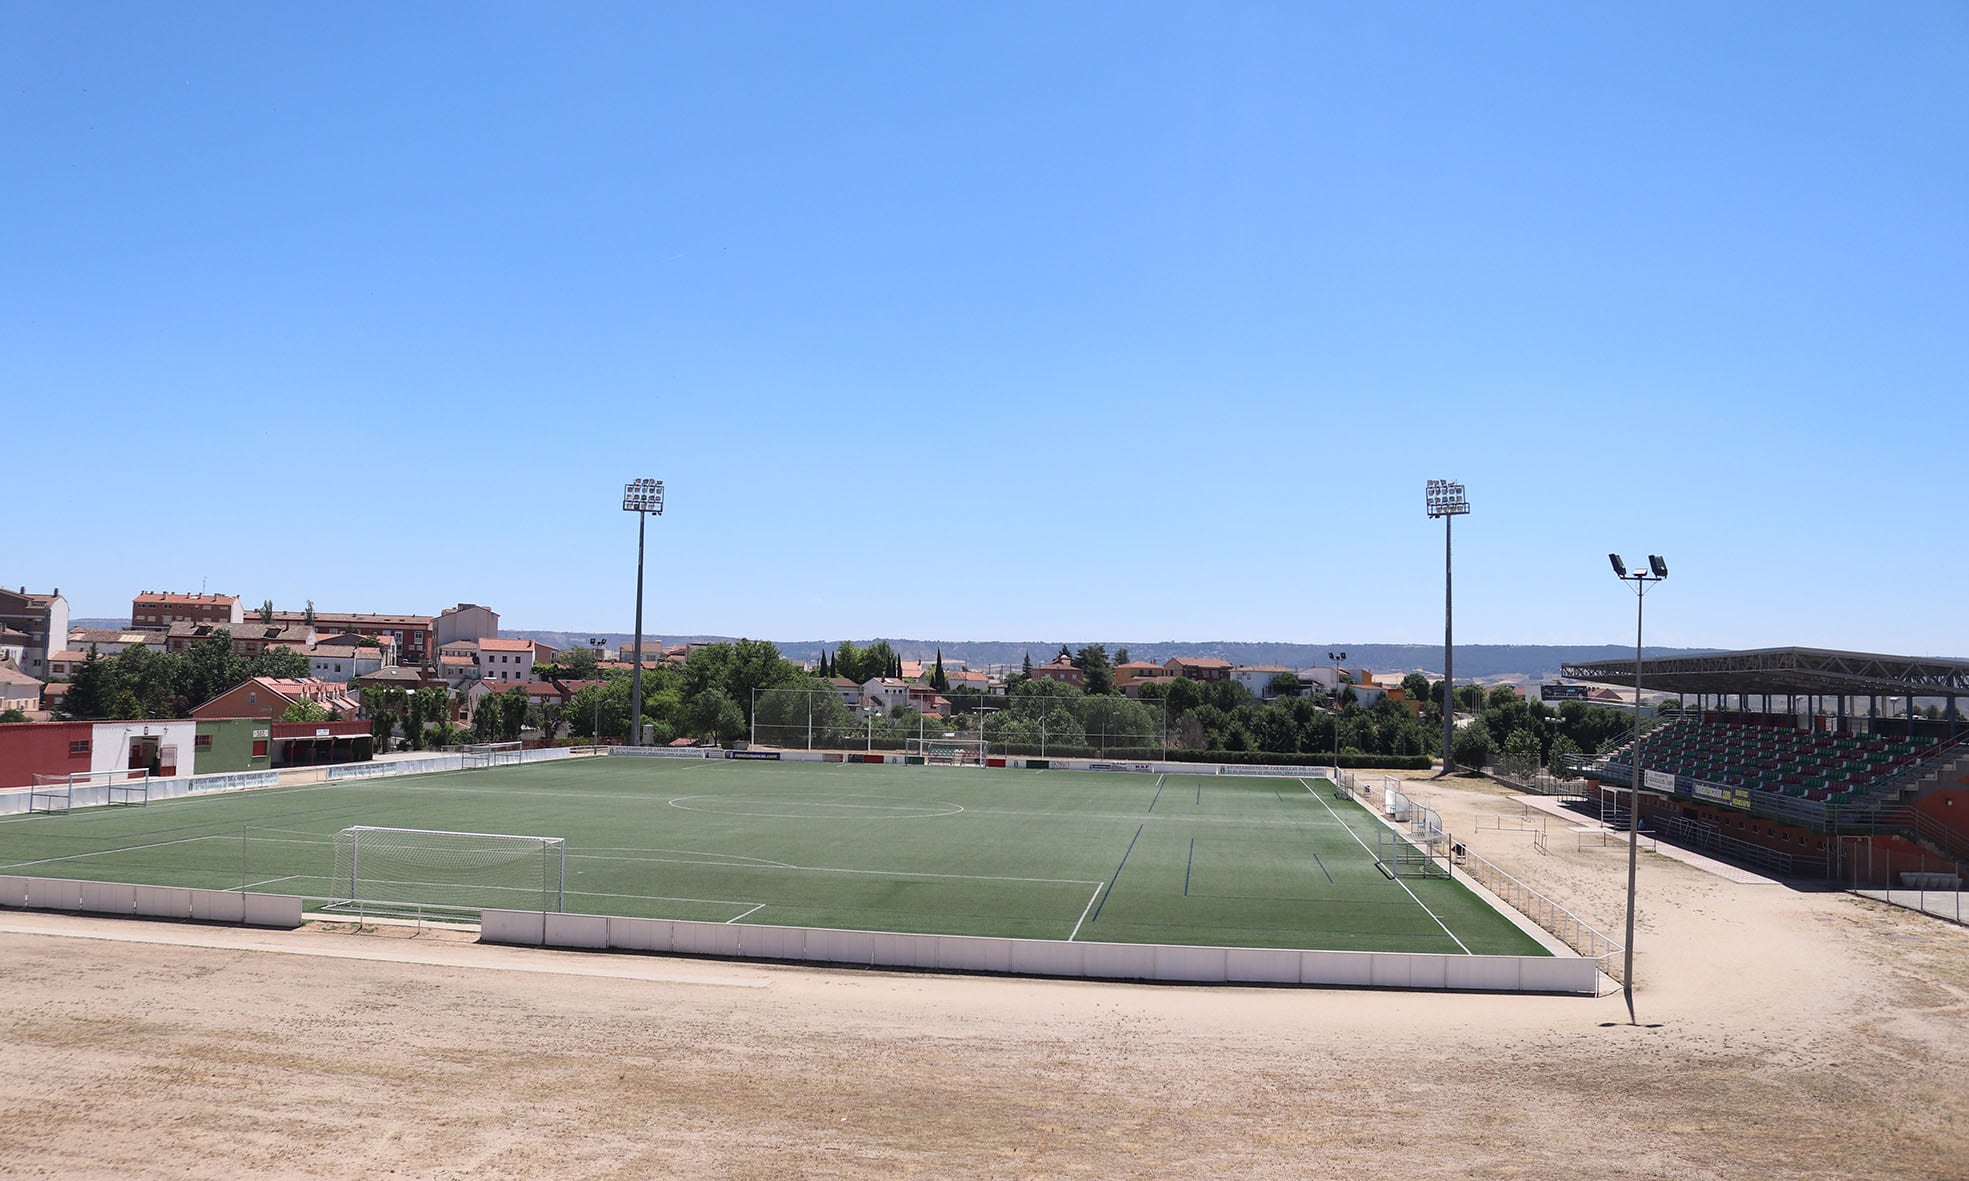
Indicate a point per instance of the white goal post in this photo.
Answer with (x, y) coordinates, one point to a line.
(480, 755)
(952, 752)
(1399, 857)
(56, 792)
(384, 868)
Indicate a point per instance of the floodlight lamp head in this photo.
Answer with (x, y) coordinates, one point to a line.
(1656, 564)
(1445, 499)
(1619, 567)
(643, 496)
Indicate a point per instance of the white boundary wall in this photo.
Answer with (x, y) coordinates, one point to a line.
(1042, 957)
(150, 902)
(13, 801)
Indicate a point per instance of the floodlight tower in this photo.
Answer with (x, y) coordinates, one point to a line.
(641, 497)
(1446, 500)
(1642, 579)
(1338, 658)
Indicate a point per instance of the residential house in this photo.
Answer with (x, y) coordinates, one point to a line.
(1258, 678)
(13, 646)
(269, 697)
(342, 663)
(1061, 671)
(466, 621)
(393, 676)
(1132, 676)
(62, 665)
(1198, 668)
(111, 641)
(968, 683)
(19, 691)
(158, 610)
(884, 693)
(849, 691)
(43, 622)
(248, 639)
(414, 634)
(506, 661)
(926, 700)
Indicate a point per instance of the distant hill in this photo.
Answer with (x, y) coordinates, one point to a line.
(1483, 662)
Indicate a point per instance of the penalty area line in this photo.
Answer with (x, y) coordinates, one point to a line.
(1098, 887)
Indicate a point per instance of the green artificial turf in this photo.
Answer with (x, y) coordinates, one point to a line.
(1128, 858)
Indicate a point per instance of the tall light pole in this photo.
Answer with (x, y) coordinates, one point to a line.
(641, 497)
(1446, 500)
(1642, 579)
(1337, 658)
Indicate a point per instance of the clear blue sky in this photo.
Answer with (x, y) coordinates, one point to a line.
(1021, 321)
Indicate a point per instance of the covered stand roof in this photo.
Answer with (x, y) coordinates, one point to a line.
(1787, 670)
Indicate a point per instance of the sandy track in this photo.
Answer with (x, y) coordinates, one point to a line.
(1786, 1034)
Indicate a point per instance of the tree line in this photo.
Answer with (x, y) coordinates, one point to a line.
(139, 682)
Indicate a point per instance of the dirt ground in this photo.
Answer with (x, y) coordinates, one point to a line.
(1784, 1034)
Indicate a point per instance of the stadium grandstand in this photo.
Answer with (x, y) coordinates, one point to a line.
(1848, 766)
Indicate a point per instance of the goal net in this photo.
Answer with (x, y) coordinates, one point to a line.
(385, 868)
(60, 792)
(1399, 857)
(480, 755)
(950, 752)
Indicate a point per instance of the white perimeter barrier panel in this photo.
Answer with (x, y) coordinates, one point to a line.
(1043, 957)
(13, 801)
(150, 902)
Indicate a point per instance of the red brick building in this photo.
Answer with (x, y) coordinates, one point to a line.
(158, 610)
(1061, 671)
(415, 635)
(1198, 668)
(268, 697)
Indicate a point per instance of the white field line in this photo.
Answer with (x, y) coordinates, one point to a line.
(877, 873)
(291, 877)
(113, 852)
(1370, 853)
(735, 918)
(1085, 909)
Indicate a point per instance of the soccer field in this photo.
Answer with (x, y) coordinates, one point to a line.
(1120, 858)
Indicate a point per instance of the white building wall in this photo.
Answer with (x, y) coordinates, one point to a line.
(109, 742)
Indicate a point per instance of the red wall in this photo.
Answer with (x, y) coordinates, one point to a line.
(31, 748)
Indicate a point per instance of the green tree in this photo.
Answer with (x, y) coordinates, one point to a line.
(91, 688)
(1471, 745)
(266, 611)
(488, 720)
(211, 668)
(1555, 761)
(713, 715)
(575, 664)
(512, 713)
(1120, 656)
(11, 715)
(304, 711)
(1417, 688)
(1095, 671)
(279, 663)
(938, 680)
(1284, 685)
(1522, 747)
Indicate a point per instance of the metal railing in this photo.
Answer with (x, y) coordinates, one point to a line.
(1563, 924)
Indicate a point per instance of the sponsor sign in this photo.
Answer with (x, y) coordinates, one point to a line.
(1658, 781)
(1564, 692)
(1145, 768)
(321, 732)
(773, 755)
(1729, 797)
